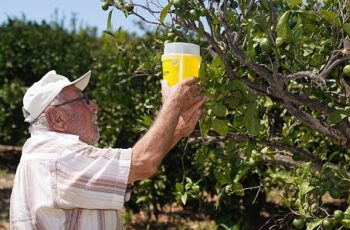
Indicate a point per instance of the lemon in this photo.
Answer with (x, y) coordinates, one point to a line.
(346, 70)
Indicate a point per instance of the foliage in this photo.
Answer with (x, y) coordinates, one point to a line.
(28, 50)
(277, 118)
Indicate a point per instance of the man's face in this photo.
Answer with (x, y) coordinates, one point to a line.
(82, 118)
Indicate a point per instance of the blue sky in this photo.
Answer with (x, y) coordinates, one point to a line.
(88, 12)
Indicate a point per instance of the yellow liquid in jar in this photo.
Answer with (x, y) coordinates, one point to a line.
(177, 67)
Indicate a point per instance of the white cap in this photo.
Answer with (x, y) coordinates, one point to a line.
(42, 92)
(181, 48)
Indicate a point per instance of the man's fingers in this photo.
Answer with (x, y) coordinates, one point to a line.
(190, 113)
(164, 83)
(190, 81)
(194, 119)
(198, 104)
(198, 98)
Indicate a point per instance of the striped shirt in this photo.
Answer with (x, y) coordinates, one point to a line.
(63, 183)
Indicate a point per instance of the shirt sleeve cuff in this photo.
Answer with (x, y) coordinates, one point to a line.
(124, 170)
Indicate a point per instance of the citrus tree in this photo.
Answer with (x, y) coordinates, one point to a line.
(277, 75)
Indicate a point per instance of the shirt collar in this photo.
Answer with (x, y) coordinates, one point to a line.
(54, 134)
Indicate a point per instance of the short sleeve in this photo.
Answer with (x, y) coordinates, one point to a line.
(91, 178)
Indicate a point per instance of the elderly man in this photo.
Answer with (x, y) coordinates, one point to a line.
(62, 181)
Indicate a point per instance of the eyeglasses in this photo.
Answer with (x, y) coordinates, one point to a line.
(84, 98)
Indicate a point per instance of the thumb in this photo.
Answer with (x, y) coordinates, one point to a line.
(164, 84)
(165, 89)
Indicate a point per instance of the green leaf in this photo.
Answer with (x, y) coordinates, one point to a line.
(252, 120)
(141, 199)
(312, 224)
(222, 177)
(109, 33)
(279, 41)
(284, 176)
(268, 102)
(109, 20)
(179, 187)
(242, 4)
(219, 110)
(337, 116)
(217, 62)
(204, 125)
(220, 126)
(249, 148)
(241, 173)
(330, 17)
(305, 188)
(251, 51)
(238, 189)
(345, 223)
(201, 29)
(238, 85)
(164, 12)
(295, 3)
(282, 27)
(347, 28)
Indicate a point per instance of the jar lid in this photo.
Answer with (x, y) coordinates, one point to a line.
(181, 48)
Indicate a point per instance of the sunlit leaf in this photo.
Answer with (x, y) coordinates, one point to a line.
(313, 224)
(282, 27)
(109, 33)
(347, 28)
(179, 187)
(219, 110)
(295, 3)
(346, 223)
(184, 198)
(337, 116)
(330, 17)
(220, 126)
(109, 20)
(204, 125)
(164, 12)
(238, 189)
(252, 120)
(241, 173)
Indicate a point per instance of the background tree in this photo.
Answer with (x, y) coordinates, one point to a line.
(277, 76)
(28, 50)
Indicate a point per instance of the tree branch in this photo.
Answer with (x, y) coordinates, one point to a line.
(265, 73)
(327, 70)
(276, 159)
(214, 138)
(315, 124)
(304, 74)
(9, 148)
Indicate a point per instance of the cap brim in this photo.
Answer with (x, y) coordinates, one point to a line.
(83, 81)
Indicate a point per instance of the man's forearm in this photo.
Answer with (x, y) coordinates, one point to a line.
(150, 150)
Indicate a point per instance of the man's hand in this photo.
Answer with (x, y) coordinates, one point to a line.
(188, 118)
(184, 94)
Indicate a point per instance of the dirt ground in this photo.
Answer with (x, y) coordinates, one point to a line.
(6, 181)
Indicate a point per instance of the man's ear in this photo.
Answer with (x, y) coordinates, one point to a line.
(56, 119)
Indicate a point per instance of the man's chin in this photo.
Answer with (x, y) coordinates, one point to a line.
(97, 137)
